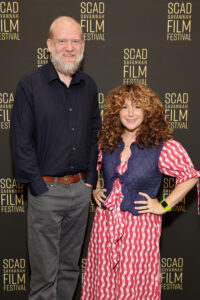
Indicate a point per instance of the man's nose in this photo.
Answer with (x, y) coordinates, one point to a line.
(68, 46)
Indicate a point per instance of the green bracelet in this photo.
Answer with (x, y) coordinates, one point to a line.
(165, 205)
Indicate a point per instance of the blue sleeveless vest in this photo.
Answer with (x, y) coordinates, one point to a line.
(142, 175)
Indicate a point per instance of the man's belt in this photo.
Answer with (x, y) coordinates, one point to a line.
(65, 179)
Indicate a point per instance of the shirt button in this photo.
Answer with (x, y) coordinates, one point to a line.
(71, 167)
(73, 129)
(70, 109)
(74, 148)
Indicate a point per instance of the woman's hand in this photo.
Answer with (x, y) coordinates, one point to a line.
(149, 206)
(99, 196)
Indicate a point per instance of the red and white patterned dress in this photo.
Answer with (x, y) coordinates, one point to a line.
(123, 260)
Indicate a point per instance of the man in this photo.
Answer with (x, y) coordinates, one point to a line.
(54, 128)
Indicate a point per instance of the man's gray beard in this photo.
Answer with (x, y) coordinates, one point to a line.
(64, 68)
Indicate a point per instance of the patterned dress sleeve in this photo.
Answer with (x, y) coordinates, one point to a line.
(174, 161)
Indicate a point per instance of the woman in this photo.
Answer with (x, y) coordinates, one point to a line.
(136, 149)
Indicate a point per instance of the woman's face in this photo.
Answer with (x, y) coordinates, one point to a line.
(131, 116)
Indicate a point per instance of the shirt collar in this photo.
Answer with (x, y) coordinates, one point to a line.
(52, 74)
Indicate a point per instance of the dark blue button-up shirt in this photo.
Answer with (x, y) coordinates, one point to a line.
(54, 128)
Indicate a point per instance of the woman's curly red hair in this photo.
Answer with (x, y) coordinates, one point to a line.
(155, 128)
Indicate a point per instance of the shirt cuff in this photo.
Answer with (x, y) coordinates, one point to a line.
(38, 187)
(91, 177)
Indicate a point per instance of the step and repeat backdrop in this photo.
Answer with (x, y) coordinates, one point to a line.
(156, 43)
